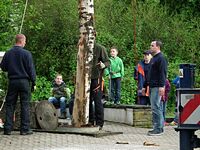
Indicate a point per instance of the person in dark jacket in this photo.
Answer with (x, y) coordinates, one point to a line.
(156, 82)
(60, 94)
(18, 63)
(100, 62)
(140, 74)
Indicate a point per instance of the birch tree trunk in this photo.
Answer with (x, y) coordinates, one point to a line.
(84, 63)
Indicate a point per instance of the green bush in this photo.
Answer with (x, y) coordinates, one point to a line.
(129, 87)
(52, 31)
(43, 89)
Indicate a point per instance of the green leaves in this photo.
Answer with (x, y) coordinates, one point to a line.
(52, 31)
(43, 88)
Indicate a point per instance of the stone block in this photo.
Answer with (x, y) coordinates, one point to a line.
(142, 118)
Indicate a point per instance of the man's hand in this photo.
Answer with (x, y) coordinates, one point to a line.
(143, 91)
(101, 65)
(33, 88)
(161, 91)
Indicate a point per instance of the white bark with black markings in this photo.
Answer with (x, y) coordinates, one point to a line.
(84, 63)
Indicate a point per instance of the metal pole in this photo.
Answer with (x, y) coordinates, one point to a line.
(185, 139)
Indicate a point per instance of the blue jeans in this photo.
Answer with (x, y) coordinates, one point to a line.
(59, 101)
(163, 107)
(157, 115)
(116, 90)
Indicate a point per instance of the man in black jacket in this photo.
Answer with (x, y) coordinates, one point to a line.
(156, 82)
(18, 63)
(100, 62)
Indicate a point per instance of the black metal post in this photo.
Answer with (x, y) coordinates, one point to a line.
(185, 139)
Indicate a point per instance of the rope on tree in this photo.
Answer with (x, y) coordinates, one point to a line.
(22, 22)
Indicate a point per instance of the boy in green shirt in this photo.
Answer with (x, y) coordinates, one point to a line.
(116, 72)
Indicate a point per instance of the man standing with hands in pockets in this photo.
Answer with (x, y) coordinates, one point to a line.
(156, 82)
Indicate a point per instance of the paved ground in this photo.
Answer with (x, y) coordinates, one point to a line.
(131, 139)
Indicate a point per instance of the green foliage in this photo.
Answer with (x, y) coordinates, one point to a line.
(43, 89)
(52, 31)
(3, 85)
(128, 87)
(191, 6)
(3, 81)
(9, 22)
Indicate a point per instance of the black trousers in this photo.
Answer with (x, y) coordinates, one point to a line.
(96, 115)
(21, 88)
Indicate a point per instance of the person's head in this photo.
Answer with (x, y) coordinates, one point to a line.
(147, 56)
(113, 52)
(155, 47)
(20, 40)
(58, 79)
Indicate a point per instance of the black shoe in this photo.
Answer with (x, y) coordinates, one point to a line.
(100, 127)
(29, 132)
(63, 116)
(116, 103)
(155, 132)
(7, 133)
(91, 123)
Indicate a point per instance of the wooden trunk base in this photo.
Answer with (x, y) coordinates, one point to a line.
(89, 131)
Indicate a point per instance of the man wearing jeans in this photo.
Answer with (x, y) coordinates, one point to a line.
(156, 82)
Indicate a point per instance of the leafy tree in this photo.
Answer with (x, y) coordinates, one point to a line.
(52, 30)
(9, 22)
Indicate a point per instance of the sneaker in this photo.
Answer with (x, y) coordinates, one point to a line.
(100, 127)
(29, 132)
(173, 123)
(116, 103)
(63, 116)
(1, 123)
(155, 132)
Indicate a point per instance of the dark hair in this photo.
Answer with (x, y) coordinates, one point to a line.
(147, 52)
(114, 47)
(159, 43)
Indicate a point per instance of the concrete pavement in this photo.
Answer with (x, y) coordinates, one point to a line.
(131, 139)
